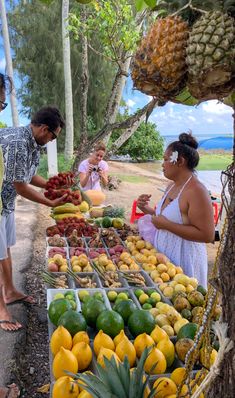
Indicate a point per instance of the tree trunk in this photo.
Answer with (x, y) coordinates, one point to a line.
(9, 67)
(128, 132)
(83, 151)
(84, 83)
(69, 137)
(224, 384)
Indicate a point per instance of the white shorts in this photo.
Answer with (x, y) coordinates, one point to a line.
(7, 234)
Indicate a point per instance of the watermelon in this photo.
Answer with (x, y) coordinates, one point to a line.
(125, 308)
(73, 321)
(57, 308)
(91, 310)
(110, 322)
(141, 321)
(106, 222)
(187, 331)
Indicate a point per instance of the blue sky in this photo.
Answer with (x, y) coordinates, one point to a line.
(209, 117)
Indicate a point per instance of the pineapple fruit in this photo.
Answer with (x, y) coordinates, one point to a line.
(159, 66)
(211, 56)
(196, 49)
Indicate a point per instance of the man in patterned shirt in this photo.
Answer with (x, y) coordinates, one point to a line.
(21, 152)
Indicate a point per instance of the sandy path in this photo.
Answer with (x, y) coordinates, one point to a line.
(128, 191)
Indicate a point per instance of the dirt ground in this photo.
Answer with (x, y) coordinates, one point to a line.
(127, 192)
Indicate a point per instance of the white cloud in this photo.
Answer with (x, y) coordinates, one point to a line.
(216, 108)
(130, 103)
(2, 63)
(192, 118)
(209, 120)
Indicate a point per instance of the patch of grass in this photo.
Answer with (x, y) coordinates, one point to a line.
(130, 178)
(214, 161)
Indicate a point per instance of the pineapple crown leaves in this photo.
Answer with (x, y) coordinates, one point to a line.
(115, 380)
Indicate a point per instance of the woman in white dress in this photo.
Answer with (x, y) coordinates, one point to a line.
(183, 219)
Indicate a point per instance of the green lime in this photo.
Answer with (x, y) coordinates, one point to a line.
(143, 298)
(98, 296)
(122, 296)
(68, 294)
(150, 291)
(82, 294)
(69, 297)
(151, 301)
(138, 292)
(112, 295)
(147, 306)
(156, 296)
(58, 296)
(73, 304)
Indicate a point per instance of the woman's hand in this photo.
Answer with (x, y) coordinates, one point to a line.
(160, 222)
(90, 169)
(143, 200)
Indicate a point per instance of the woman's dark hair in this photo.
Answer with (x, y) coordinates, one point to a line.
(5, 83)
(186, 147)
(50, 116)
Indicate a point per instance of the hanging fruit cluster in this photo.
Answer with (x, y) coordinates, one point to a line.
(66, 180)
(192, 52)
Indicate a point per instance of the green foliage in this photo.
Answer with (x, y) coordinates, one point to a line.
(2, 125)
(146, 143)
(63, 165)
(40, 67)
(115, 23)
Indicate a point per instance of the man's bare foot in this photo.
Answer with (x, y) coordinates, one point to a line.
(12, 391)
(7, 323)
(17, 297)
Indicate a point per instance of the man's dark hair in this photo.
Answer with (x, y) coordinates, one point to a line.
(5, 83)
(50, 116)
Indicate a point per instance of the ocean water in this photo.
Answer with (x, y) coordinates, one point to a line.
(207, 141)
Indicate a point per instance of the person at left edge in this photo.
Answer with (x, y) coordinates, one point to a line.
(21, 153)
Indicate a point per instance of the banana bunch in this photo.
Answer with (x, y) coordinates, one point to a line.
(65, 211)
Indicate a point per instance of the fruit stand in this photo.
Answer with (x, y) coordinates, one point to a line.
(111, 294)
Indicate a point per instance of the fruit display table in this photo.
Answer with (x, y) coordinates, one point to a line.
(118, 285)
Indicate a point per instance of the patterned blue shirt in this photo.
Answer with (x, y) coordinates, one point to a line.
(21, 156)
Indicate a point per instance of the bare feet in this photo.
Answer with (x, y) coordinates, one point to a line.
(18, 297)
(7, 323)
(12, 391)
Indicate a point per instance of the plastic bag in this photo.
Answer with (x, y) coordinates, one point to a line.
(146, 228)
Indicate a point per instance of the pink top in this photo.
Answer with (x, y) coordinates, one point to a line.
(94, 179)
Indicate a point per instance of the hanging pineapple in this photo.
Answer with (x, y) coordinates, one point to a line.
(211, 56)
(202, 50)
(159, 67)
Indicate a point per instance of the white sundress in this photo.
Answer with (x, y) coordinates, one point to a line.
(191, 256)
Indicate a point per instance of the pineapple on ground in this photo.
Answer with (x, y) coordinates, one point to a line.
(159, 66)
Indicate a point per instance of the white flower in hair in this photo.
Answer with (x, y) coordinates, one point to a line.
(174, 157)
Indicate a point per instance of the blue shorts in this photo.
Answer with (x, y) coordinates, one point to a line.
(7, 234)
